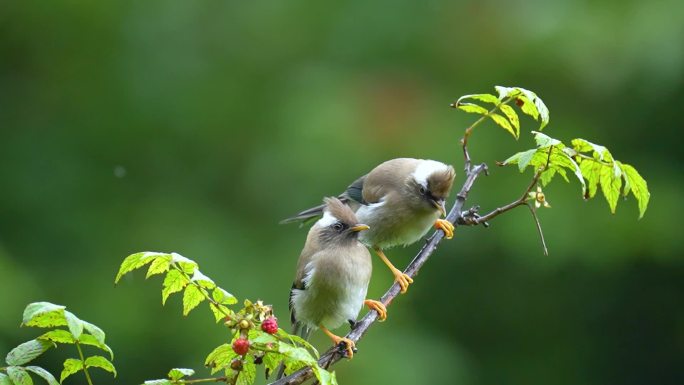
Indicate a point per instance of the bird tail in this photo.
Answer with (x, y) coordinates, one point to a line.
(298, 329)
(305, 216)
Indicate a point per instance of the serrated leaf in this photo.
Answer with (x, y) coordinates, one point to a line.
(19, 375)
(504, 123)
(160, 265)
(192, 296)
(87, 339)
(136, 261)
(637, 185)
(220, 358)
(71, 366)
(100, 362)
(544, 140)
(162, 381)
(95, 331)
(248, 373)
(298, 340)
(4, 380)
(203, 280)
(27, 351)
(187, 265)
(59, 336)
(472, 108)
(610, 185)
(220, 312)
(532, 104)
(47, 376)
(74, 323)
(522, 159)
(547, 176)
(323, 376)
(591, 170)
(35, 314)
(271, 362)
(178, 373)
(598, 152)
(295, 353)
(223, 297)
(512, 117)
(174, 282)
(487, 98)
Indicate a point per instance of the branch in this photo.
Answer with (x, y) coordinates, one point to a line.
(333, 355)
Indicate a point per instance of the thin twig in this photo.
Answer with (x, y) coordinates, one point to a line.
(539, 228)
(85, 367)
(199, 380)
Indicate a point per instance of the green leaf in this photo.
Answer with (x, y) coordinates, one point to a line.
(223, 297)
(27, 352)
(47, 376)
(271, 362)
(100, 362)
(187, 265)
(220, 358)
(522, 159)
(160, 265)
(75, 325)
(192, 296)
(4, 380)
(512, 117)
(19, 376)
(219, 311)
(87, 339)
(591, 170)
(298, 340)
(178, 373)
(71, 366)
(637, 185)
(58, 335)
(203, 280)
(532, 105)
(504, 123)
(544, 140)
(324, 377)
(43, 314)
(487, 98)
(158, 382)
(610, 185)
(174, 282)
(247, 374)
(136, 261)
(472, 108)
(95, 331)
(295, 353)
(598, 152)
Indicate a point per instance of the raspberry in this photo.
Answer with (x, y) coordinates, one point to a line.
(270, 325)
(241, 346)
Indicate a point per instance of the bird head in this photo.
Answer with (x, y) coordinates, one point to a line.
(430, 184)
(339, 223)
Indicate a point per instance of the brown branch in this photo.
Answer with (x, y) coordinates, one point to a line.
(333, 355)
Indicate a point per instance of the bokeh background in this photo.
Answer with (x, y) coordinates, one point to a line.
(196, 126)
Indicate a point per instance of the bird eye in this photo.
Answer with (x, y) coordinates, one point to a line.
(338, 226)
(423, 190)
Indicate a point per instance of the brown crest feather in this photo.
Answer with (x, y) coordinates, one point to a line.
(340, 211)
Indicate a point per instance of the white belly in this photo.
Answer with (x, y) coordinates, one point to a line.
(388, 229)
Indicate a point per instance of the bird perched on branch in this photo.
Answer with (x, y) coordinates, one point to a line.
(333, 273)
(401, 199)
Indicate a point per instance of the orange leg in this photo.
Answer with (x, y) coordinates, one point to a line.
(377, 306)
(337, 339)
(446, 226)
(402, 279)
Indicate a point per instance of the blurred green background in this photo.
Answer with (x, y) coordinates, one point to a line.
(196, 126)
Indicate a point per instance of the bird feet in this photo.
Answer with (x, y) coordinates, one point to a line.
(402, 279)
(377, 306)
(446, 226)
(350, 346)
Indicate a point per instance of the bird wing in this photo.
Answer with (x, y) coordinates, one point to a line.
(387, 177)
(307, 255)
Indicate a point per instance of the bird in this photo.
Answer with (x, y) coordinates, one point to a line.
(400, 199)
(333, 273)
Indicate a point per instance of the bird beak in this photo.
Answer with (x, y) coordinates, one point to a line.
(359, 227)
(439, 204)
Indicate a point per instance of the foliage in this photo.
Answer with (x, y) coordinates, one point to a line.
(183, 275)
(77, 332)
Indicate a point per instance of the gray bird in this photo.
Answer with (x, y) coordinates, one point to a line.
(401, 199)
(333, 273)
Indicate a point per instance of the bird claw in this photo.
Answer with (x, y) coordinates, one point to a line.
(378, 307)
(446, 226)
(346, 345)
(403, 280)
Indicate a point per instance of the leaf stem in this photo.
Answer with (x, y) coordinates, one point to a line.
(469, 131)
(85, 368)
(202, 290)
(539, 228)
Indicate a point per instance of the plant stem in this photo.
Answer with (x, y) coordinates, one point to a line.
(469, 131)
(539, 228)
(85, 368)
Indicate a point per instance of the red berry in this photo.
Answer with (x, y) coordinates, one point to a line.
(241, 346)
(519, 102)
(270, 325)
